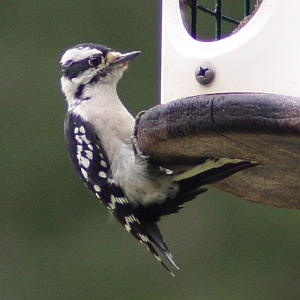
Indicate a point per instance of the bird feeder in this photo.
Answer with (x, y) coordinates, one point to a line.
(237, 97)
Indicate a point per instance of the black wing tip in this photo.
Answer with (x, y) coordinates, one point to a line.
(166, 253)
(152, 237)
(170, 258)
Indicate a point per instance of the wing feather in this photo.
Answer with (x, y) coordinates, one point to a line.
(93, 166)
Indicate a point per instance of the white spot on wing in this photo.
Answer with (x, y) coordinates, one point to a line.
(131, 219)
(97, 188)
(83, 137)
(78, 138)
(121, 200)
(82, 129)
(89, 154)
(112, 203)
(102, 174)
(110, 181)
(85, 162)
(103, 163)
(144, 238)
(84, 173)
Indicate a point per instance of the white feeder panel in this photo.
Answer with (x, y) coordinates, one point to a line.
(264, 56)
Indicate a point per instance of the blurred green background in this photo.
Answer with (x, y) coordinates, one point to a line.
(57, 240)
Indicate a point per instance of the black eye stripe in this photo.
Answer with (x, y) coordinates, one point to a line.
(75, 68)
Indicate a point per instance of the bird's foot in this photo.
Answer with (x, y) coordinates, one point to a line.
(134, 138)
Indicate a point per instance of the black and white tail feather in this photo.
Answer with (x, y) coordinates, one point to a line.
(90, 74)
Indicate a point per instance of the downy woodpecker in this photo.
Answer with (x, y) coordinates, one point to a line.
(98, 133)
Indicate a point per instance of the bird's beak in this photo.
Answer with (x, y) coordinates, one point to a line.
(119, 59)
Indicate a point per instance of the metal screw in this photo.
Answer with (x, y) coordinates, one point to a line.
(205, 73)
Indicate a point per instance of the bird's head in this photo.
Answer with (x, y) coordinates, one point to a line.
(87, 65)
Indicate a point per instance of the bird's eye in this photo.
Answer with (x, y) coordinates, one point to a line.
(94, 61)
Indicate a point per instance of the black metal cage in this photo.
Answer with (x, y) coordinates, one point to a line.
(200, 12)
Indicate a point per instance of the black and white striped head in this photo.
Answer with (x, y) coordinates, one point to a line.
(87, 65)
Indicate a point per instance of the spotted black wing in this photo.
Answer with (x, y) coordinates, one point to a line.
(92, 165)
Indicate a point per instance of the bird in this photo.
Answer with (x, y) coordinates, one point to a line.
(100, 139)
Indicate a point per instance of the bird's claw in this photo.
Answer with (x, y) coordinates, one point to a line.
(134, 139)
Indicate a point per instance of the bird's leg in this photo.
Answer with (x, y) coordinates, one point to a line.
(134, 139)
